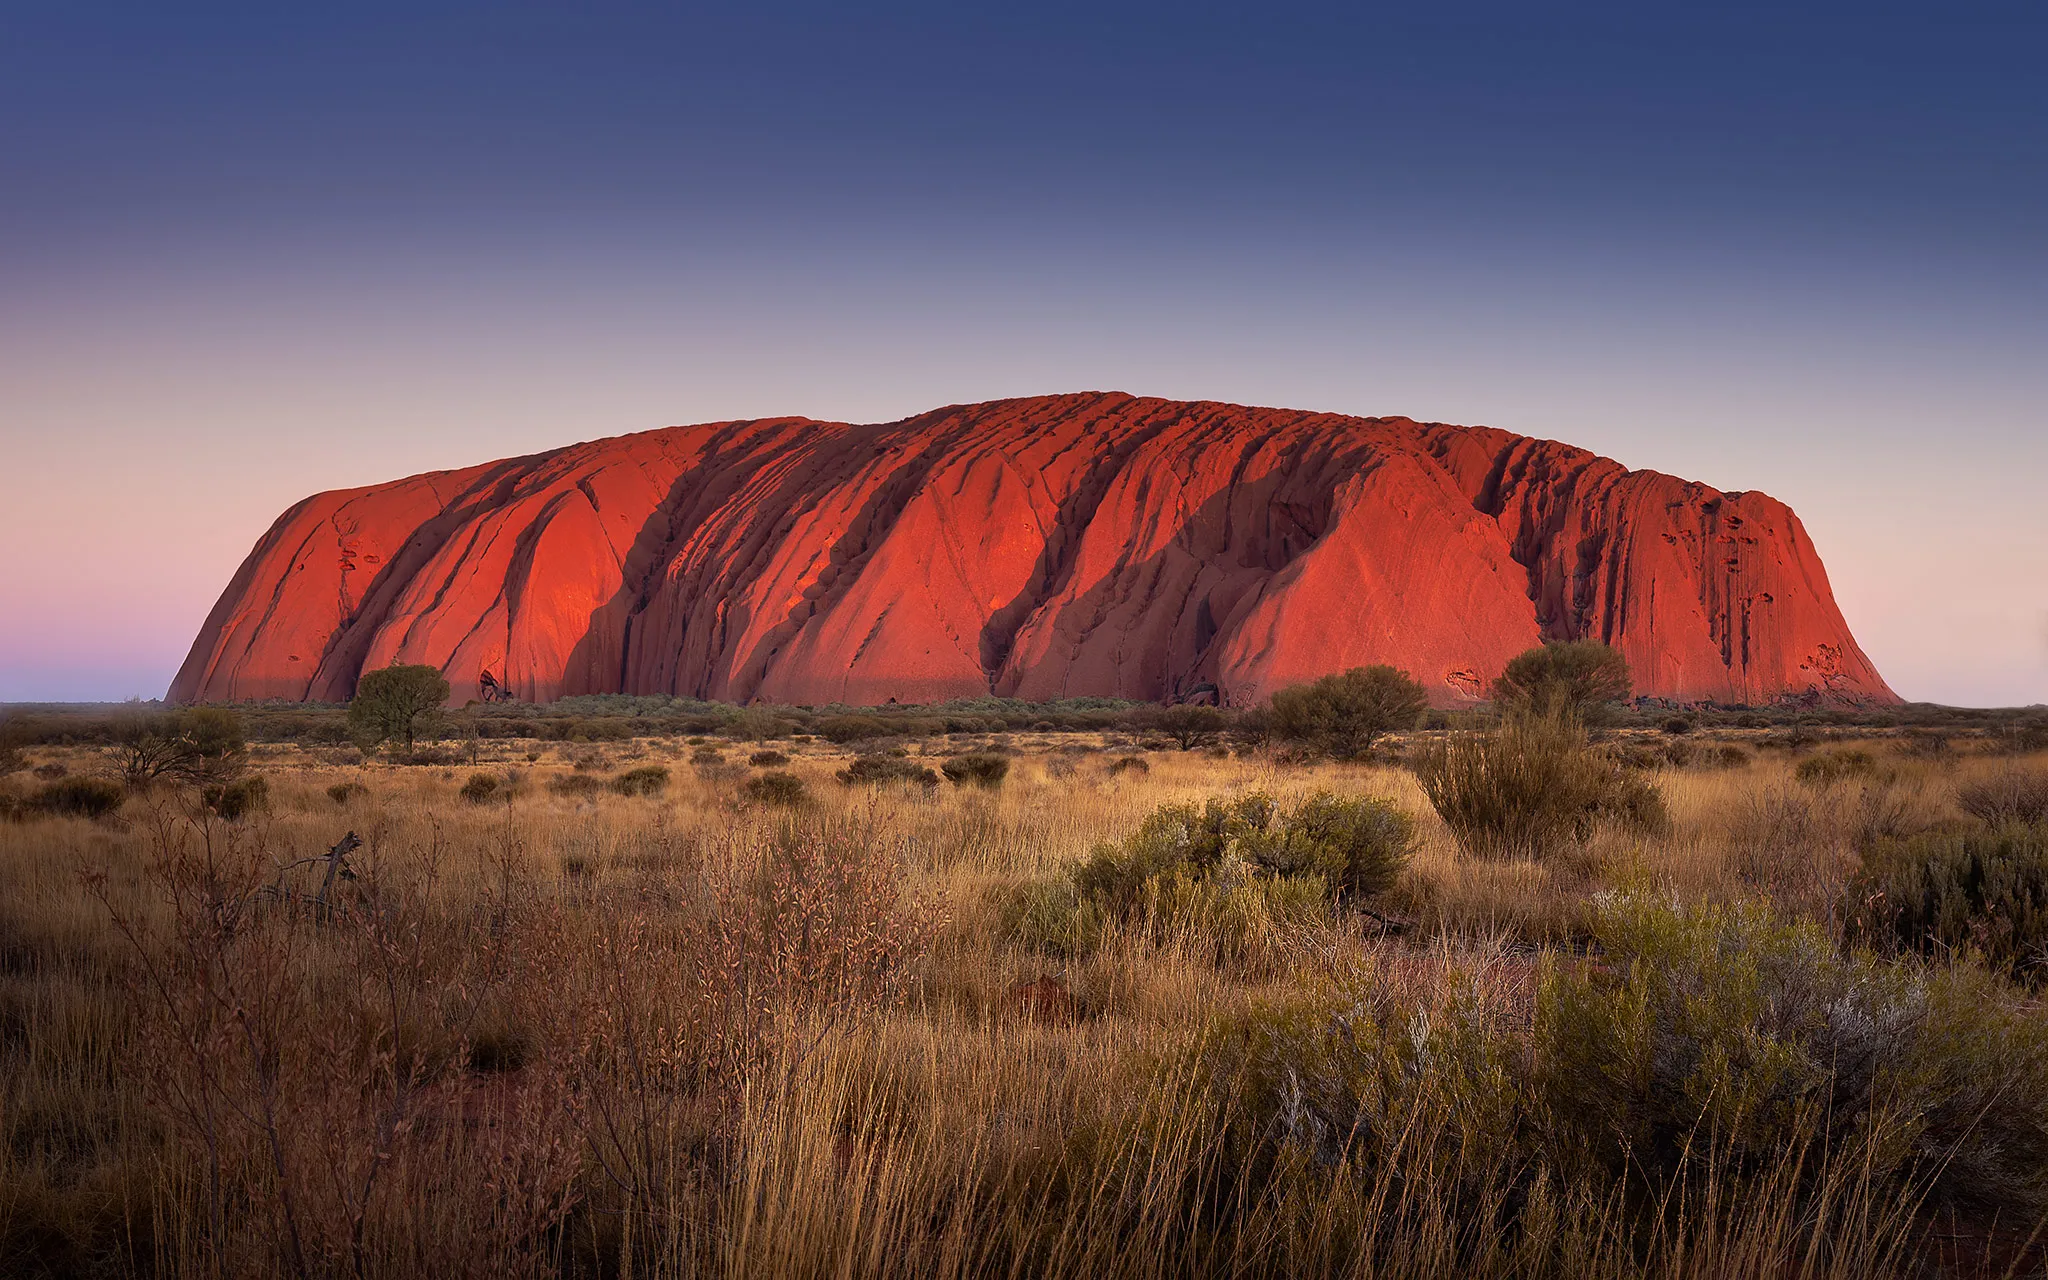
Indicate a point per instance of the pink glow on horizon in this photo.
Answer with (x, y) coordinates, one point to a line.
(151, 437)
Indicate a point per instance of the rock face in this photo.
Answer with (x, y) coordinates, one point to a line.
(1093, 544)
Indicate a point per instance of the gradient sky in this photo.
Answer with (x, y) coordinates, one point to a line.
(247, 253)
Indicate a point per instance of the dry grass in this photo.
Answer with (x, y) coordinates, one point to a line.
(685, 1034)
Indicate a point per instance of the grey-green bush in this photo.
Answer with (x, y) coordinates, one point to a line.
(1724, 1033)
(778, 788)
(980, 769)
(1574, 679)
(77, 797)
(881, 769)
(1357, 846)
(845, 729)
(1944, 893)
(1825, 769)
(647, 780)
(1336, 848)
(1532, 788)
(1342, 715)
(238, 799)
(395, 703)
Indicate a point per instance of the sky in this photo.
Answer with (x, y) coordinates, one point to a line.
(248, 253)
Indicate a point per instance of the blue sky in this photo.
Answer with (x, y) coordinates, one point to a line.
(248, 253)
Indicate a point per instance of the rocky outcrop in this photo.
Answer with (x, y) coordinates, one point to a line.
(1050, 547)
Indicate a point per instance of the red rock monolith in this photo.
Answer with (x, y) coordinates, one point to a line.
(1058, 546)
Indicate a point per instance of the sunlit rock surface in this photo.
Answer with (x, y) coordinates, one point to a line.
(1050, 547)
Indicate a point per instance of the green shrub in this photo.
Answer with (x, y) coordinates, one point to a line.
(575, 785)
(1343, 715)
(597, 729)
(768, 759)
(1233, 917)
(1677, 724)
(980, 769)
(1941, 893)
(1351, 1081)
(480, 788)
(236, 800)
(343, 792)
(76, 797)
(1672, 753)
(1825, 769)
(1052, 917)
(845, 729)
(1727, 756)
(1358, 847)
(1974, 1083)
(202, 746)
(876, 770)
(1577, 680)
(707, 755)
(778, 788)
(753, 724)
(1532, 788)
(2010, 796)
(1176, 838)
(1703, 1046)
(1634, 804)
(396, 702)
(1231, 874)
(1726, 1034)
(647, 780)
(1723, 1026)
(1188, 726)
(1128, 764)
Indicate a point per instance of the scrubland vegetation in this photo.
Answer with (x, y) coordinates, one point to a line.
(1074, 990)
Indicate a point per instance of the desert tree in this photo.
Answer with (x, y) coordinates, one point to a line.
(394, 702)
(1190, 725)
(1344, 714)
(1574, 678)
(201, 745)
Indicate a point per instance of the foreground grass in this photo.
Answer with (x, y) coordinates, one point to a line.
(563, 1031)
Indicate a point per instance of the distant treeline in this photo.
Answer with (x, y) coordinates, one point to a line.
(616, 717)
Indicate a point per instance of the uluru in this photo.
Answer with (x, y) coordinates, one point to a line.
(1094, 544)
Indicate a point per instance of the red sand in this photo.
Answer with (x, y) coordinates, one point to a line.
(1051, 547)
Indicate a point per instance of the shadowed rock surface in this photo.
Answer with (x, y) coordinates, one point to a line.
(1058, 546)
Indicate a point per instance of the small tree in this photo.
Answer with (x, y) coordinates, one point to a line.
(1345, 714)
(1532, 788)
(391, 703)
(1189, 725)
(1578, 679)
(205, 746)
